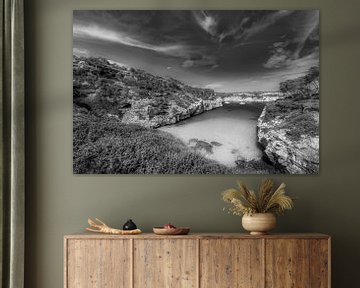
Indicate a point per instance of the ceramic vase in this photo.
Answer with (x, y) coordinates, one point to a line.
(259, 223)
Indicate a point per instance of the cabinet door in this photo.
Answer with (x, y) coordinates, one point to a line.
(320, 263)
(98, 263)
(287, 263)
(231, 263)
(165, 263)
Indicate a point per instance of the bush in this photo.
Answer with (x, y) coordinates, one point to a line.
(107, 146)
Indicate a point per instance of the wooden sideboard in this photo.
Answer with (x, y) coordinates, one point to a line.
(197, 260)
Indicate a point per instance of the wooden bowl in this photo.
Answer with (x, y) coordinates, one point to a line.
(171, 231)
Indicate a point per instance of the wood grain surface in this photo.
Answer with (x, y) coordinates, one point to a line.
(98, 263)
(287, 263)
(165, 263)
(197, 260)
(319, 263)
(89, 235)
(231, 263)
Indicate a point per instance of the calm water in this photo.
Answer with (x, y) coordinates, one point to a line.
(225, 134)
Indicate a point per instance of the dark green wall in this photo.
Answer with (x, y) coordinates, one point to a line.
(59, 202)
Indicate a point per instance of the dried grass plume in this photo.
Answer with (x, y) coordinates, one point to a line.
(267, 200)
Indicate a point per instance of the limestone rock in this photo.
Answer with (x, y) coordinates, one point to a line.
(289, 132)
(141, 113)
(134, 96)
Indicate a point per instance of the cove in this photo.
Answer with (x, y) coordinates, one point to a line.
(225, 134)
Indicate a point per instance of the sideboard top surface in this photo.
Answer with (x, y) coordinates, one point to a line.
(86, 235)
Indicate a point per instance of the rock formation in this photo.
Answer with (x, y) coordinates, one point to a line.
(141, 114)
(253, 97)
(134, 96)
(288, 130)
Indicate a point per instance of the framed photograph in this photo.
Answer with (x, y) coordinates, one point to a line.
(196, 92)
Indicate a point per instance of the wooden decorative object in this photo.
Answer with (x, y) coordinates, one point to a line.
(101, 227)
(171, 231)
(197, 261)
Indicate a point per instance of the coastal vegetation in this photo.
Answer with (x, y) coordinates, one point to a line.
(102, 145)
(300, 108)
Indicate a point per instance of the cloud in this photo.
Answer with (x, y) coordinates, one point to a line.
(280, 56)
(301, 65)
(99, 33)
(264, 22)
(118, 63)
(214, 86)
(302, 50)
(309, 34)
(200, 60)
(231, 27)
(294, 69)
(80, 52)
(229, 48)
(190, 55)
(233, 30)
(206, 22)
(188, 63)
(291, 67)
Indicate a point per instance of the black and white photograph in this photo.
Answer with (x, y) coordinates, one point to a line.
(196, 92)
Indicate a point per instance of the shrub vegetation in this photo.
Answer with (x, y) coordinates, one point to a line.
(105, 146)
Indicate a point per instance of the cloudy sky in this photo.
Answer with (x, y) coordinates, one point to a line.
(227, 51)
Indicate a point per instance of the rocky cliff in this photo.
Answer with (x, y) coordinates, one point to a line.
(288, 130)
(253, 97)
(142, 114)
(134, 96)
